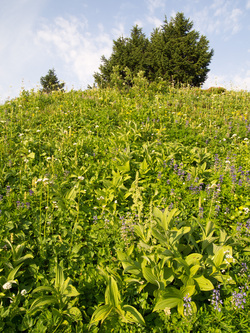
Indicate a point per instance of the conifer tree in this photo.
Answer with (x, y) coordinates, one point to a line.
(50, 82)
(178, 53)
(174, 53)
(127, 52)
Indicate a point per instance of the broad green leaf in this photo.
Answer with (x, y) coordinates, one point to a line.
(43, 288)
(181, 232)
(101, 313)
(71, 194)
(76, 313)
(59, 281)
(170, 303)
(158, 235)
(247, 250)
(124, 168)
(219, 257)
(133, 314)
(130, 250)
(149, 276)
(112, 295)
(70, 291)
(187, 290)
(194, 269)
(42, 301)
(144, 167)
(22, 259)
(13, 272)
(193, 258)
(204, 284)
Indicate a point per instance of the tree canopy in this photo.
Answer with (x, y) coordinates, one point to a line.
(50, 82)
(175, 53)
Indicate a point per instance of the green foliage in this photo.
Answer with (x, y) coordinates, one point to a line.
(50, 82)
(175, 53)
(125, 210)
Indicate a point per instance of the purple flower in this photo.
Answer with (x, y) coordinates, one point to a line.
(201, 212)
(216, 301)
(31, 192)
(187, 305)
(239, 298)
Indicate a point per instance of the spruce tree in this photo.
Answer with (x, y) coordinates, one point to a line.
(175, 53)
(127, 53)
(178, 53)
(50, 82)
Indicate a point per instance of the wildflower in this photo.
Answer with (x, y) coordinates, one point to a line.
(201, 212)
(23, 292)
(246, 209)
(216, 301)
(80, 177)
(239, 298)
(7, 285)
(187, 305)
(244, 269)
(31, 192)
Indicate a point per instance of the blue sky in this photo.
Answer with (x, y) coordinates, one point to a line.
(72, 35)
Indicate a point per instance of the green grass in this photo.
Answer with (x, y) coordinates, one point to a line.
(82, 177)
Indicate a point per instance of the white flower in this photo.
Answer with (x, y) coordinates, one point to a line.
(96, 126)
(7, 285)
(246, 139)
(48, 158)
(80, 177)
(23, 292)
(38, 131)
(234, 135)
(38, 180)
(246, 209)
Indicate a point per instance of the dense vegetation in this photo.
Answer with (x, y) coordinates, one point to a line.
(175, 53)
(125, 210)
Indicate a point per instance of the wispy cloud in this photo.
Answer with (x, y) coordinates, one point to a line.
(248, 4)
(76, 46)
(155, 4)
(220, 17)
(230, 82)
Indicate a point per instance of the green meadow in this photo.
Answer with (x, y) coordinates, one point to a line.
(125, 210)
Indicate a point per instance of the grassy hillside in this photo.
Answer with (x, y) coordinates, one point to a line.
(125, 211)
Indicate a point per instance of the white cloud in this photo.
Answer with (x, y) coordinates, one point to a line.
(248, 4)
(221, 17)
(230, 82)
(154, 21)
(80, 50)
(155, 4)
